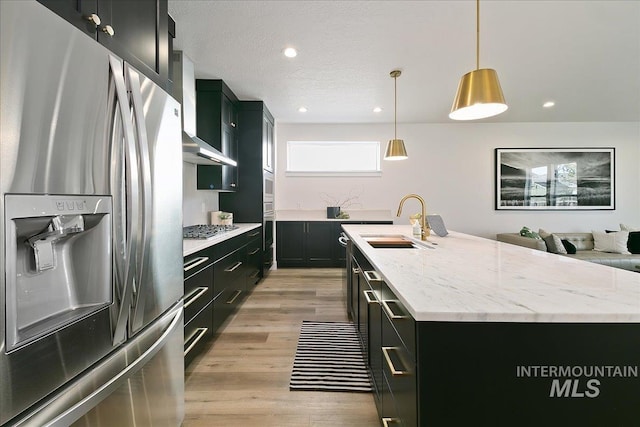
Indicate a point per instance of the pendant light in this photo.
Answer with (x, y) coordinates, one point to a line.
(395, 147)
(479, 93)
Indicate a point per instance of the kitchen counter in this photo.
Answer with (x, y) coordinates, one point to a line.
(321, 215)
(467, 278)
(190, 246)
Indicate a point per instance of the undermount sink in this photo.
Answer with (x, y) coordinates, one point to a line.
(399, 242)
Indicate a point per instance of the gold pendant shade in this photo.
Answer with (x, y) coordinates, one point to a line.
(395, 150)
(479, 95)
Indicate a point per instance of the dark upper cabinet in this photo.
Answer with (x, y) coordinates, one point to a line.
(136, 31)
(217, 124)
(247, 203)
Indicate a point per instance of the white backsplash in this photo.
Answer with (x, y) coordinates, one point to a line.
(196, 204)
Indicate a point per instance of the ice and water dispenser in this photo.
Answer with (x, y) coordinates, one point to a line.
(58, 262)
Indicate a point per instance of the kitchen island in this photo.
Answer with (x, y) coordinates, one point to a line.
(462, 330)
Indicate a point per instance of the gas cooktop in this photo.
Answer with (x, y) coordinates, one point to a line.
(203, 231)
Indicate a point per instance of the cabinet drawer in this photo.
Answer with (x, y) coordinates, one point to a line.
(254, 236)
(224, 248)
(198, 284)
(228, 271)
(390, 417)
(197, 333)
(254, 262)
(399, 369)
(197, 262)
(223, 306)
(198, 292)
(400, 318)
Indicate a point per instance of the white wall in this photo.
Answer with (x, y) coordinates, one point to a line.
(195, 203)
(452, 167)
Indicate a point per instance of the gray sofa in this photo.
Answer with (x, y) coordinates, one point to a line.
(584, 249)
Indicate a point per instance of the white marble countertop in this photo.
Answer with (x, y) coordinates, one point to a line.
(321, 215)
(190, 246)
(468, 278)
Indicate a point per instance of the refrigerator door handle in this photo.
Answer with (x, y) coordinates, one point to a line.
(132, 78)
(126, 205)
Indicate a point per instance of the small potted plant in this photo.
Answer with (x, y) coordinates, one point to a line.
(226, 218)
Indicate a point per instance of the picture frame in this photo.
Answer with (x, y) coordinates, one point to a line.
(555, 178)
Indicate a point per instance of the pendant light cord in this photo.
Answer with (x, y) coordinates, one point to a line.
(395, 107)
(477, 34)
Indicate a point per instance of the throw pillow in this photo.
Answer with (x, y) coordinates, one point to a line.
(543, 233)
(611, 242)
(525, 232)
(569, 247)
(626, 227)
(553, 242)
(633, 244)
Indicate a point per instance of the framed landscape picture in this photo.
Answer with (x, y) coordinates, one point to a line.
(555, 178)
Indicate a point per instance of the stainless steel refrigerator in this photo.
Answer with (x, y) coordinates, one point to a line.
(91, 315)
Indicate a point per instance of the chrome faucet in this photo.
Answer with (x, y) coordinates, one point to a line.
(425, 231)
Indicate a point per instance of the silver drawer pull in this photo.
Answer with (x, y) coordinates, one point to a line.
(386, 422)
(253, 234)
(234, 297)
(200, 332)
(372, 276)
(390, 313)
(254, 252)
(370, 299)
(195, 262)
(234, 267)
(387, 358)
(194, 295)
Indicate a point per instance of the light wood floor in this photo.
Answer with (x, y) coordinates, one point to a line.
(242, 379)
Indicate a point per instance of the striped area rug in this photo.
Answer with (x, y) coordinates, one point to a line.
(329, 358)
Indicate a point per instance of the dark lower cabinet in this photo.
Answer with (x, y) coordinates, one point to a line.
(197, 333)
(399, 371)
(136, 31)
(198, 291)
(290, 243)
(353, 275)
(370, 322)
(229, 284)
(312, 243)
(387, 334)
(254, 259)
(216, 281)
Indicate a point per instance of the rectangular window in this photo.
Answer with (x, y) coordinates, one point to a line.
(333, 158)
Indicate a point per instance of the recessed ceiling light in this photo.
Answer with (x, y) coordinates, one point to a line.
(302, 109)
(290, 52)
(377, 110)
(548, 104)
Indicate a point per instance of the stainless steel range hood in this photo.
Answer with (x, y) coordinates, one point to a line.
(194, 149)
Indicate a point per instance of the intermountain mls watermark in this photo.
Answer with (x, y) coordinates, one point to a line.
(576, 381)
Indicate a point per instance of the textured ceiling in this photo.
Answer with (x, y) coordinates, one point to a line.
(584, 55)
